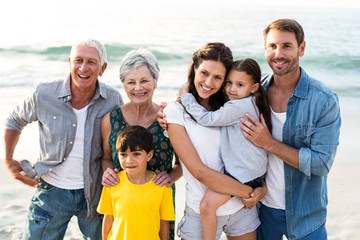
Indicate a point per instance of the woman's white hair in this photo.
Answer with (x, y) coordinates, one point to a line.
(137, 58)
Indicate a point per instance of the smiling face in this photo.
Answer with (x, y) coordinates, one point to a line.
(85, 68)
(239, 85)
(139, 85)
(283, 52)
(209, 77)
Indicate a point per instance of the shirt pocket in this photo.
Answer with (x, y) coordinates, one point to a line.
(54, 128)
(303, 135)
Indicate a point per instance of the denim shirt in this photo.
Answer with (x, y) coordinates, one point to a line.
(49, 105)
(313, 126)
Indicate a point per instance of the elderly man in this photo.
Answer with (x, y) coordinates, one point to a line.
(68, 173)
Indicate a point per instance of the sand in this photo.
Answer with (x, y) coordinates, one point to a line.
(344, 194)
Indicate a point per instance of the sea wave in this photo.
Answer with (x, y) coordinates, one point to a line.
(116, 52)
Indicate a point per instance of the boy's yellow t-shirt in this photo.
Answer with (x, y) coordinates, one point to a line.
(137, 209)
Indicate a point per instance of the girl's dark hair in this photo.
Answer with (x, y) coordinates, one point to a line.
(211, 51)
(252, 68)
(136, 138)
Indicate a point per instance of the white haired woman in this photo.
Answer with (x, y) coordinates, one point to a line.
(139, 73)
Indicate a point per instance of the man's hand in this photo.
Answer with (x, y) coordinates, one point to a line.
(17, 172)
(257, 132)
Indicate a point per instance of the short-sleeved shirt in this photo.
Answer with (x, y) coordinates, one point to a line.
(163, 151)
(136, 208)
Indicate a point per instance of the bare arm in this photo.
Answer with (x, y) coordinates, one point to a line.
(106, 226)
(210, 177)
(109, 174)
(11, 138)
(259, 134)
(164, 230)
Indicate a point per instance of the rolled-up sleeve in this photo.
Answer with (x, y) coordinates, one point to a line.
(318, 158)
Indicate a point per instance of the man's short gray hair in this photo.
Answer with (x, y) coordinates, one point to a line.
(95, 44)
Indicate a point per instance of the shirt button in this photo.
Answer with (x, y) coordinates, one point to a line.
(71, 142)
(74, 125)
(54, 117)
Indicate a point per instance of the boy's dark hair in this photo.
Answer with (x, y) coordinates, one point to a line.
(135, 138)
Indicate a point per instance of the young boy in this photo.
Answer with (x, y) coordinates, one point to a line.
(136, 208)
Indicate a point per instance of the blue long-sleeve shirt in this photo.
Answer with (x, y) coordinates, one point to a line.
(313, 126)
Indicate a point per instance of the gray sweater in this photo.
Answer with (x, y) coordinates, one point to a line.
(242, 159)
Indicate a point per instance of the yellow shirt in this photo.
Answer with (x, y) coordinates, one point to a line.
(137, 208)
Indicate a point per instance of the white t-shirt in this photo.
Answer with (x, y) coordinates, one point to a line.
(206, 141)
(70, 173)
(275, 177)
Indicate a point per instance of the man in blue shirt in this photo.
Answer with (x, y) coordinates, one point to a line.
(68, 172)
(306, 126)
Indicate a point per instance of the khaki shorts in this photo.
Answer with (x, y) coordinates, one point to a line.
(243, 221)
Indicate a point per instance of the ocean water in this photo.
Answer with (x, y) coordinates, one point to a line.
(37, 36)
(37, 43)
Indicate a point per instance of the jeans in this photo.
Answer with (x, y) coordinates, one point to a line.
(273, 226)
(52, 208)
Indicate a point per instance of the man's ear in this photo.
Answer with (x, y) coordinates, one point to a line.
(103, 68)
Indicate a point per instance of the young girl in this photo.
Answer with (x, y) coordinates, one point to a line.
(136, 208)
(243, 160)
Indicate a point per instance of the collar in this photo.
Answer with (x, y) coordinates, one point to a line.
(65, 90)
(302, 87)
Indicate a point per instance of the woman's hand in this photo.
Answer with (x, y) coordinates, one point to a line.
(184, 89)
(255, 196)
(160, 116)
(110, 177)
(163, 179)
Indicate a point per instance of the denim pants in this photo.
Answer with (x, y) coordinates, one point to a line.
(52, 208)
(273, 226)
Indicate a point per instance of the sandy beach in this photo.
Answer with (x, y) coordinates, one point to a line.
(344, 196)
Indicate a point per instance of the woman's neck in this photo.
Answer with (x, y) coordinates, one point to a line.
(205, 103)
(143, 115)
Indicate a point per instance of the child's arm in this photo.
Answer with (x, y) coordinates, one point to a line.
(106, 227)
(229, 114)
(164, 230)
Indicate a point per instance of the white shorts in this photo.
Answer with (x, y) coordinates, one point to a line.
(243, 221)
